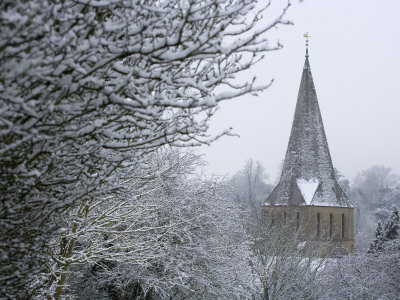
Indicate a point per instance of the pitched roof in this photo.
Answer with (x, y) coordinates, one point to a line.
(308, 176)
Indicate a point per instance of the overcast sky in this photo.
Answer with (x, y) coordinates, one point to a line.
(355, 62)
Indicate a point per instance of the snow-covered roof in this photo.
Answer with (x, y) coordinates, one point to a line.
(307, 188)
(308, 176)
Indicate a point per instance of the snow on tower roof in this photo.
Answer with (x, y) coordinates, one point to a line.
(307, 188)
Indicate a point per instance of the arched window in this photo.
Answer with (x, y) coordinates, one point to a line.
(284, 217)
(330, 225)
(297, 221)
(343, 226)
(318, 224)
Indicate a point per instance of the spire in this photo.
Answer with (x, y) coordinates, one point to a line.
(308, 153)
(308, 176)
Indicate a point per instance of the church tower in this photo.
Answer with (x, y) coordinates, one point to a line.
(308, 191)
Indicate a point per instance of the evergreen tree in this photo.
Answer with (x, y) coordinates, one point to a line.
(391, 230)
(377, 243)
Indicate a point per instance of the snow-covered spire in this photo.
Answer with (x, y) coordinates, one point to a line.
(308, 176)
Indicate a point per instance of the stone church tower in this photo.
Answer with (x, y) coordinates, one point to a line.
(308, 192)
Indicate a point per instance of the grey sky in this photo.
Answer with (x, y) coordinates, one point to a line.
(354, 57)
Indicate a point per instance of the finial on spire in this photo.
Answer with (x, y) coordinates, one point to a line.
(306, 35)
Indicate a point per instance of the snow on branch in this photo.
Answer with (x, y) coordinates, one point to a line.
(89, 88)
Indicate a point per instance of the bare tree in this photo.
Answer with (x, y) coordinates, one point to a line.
(250, 186)
(89, 87)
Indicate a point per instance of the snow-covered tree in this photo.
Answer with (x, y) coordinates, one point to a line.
(392, 198)
(125, 227)
(286, 264)
(343, 181)
(376, 244)
(373, 183)
(360, 276)
(392, 226)
(250, 186)
(389, 232)
(373, 193)
(90, 87)
(365, 275)
(193, 245)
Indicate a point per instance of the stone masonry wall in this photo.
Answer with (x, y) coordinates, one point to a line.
(328, 236)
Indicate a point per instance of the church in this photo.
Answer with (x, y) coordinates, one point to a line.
(308, 193)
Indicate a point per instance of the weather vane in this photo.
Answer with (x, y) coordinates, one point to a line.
(307, 36)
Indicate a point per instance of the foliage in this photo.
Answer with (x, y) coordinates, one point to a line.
(375, 192)
(361, 276)
(392, 226)
(117, 228)
(371, 275)
(373, 183)
(250, 186)
(193, 233)
(386, 234)
(343, 181)
(377, 243)
(286, 264)
(87, 88)
(391, 199)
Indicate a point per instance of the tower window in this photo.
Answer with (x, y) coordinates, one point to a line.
(330, 225)
(272, 218)
(343, 226)
(297, 221)
(284, 217)
(318, 224)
